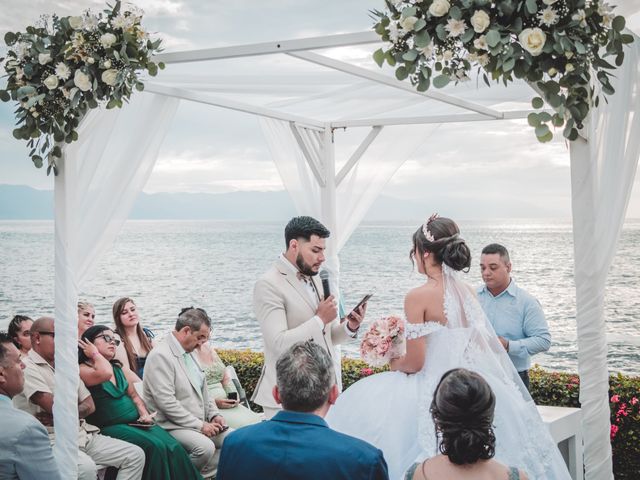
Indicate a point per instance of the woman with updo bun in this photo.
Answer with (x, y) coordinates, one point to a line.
(462, 411)
(446, 329)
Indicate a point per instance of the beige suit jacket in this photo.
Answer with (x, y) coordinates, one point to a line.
(285, 313)
(169, 390)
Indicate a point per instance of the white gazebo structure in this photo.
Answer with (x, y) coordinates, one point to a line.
(304, 116)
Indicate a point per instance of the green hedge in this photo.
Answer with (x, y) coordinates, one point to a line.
(547, 388)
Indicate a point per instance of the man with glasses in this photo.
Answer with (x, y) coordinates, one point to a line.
(175, 387)
(37, 399)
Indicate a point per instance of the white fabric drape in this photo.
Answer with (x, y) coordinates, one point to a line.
(100, 177)
(602, 173)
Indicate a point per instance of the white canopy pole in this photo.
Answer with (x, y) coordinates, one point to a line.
(65, 407)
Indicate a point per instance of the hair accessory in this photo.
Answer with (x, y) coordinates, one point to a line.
(425, 228)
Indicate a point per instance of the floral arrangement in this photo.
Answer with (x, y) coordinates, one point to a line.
(66, 65)
(383, 341)
(558, 46)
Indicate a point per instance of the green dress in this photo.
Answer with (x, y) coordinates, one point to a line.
(165, 457)
(238, 416)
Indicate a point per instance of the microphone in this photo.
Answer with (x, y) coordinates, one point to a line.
(324, 276)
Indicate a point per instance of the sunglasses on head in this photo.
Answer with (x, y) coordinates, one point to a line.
(109, 339)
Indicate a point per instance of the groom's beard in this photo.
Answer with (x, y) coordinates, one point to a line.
(304, 267)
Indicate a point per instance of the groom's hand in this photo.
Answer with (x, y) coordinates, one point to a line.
(327, 310)
(356, 317)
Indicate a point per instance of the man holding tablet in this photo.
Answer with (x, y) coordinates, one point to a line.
(289, 304)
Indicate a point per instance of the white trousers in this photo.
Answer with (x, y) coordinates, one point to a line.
(102, 450)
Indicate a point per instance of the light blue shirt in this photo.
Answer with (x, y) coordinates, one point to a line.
(518, 317)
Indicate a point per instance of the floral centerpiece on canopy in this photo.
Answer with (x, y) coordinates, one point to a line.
(65, 66)
(558, 46)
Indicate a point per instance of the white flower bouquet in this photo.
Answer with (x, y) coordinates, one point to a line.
(66, 65)
(559, 46)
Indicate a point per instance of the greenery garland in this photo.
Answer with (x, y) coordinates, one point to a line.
(65, 66)
(558, 46)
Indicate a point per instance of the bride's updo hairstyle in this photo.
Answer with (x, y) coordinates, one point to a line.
(441, 236)
(462, 410)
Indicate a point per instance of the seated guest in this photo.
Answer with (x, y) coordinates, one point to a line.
(25, 450)
(174, 387)
(86, 317)
(221, 388)
(20, 333)
(137, 341)
(462, 411)
(37, 399)
(297, 442)
(118, 405)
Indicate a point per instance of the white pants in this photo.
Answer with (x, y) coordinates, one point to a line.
(102, 450)
(203, 451)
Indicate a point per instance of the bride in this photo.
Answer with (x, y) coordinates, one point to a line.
(446, 328)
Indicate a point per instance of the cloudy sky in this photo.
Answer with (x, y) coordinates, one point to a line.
(498, 171)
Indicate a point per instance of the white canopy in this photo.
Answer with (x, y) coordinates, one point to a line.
(315, 96)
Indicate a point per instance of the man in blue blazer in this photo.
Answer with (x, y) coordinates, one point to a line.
(297, 443)
(25, 450)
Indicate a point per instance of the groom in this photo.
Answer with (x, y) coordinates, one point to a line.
(290, 306)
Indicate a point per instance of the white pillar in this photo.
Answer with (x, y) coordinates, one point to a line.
(329, 218)
(65, 406)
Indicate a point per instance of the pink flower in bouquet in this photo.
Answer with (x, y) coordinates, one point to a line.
(615, 399)
(383, 341)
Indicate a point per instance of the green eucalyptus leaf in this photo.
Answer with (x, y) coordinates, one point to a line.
(626, 38)
(10, 38)
(533, 119)
(557, 120)
(378, 56)
(401, 72)
(508, 65)
(618, 23)
(467, 35)
(546, 138)
(531, 6)
(5, 96)
(17, 133)
(422, 39)
(410, 56)
(619, 59)
(455, 13)
(441, 33)
(441, 81)
(580, 48)
(537, 102)
(409, 12)
(37, 161)
(542, 130)
(493, 38)
(554, 100)
(419, 25)
(423, 85)
(544, 117)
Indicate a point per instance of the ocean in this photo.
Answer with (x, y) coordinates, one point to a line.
(166, 265)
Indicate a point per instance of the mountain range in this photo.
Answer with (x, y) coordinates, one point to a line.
(19, 202)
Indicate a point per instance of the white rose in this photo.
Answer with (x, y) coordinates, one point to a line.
(439, 8)
(51, 82)
(76, 22)
(90, 60)
(532, 40)
(82, 80)
(44, 58)
(480, 21)
(408, 23)
(110, 76)
(107, 39)
(107, 64)
(549, 2)
(569, 67)
(481, 43)
(447, 55)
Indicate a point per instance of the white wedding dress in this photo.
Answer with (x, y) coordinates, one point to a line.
(391, 410)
